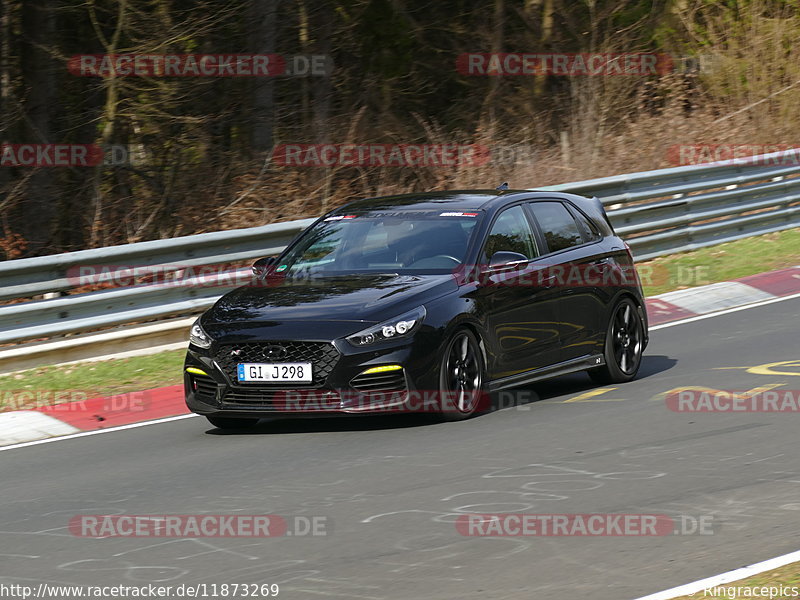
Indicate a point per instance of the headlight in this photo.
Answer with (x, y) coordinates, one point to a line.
(198, 337)
(401, 326)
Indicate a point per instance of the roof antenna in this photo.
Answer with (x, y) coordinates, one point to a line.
(502, 187)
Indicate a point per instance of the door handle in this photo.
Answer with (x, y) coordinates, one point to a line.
(601, 261)
(548, 281)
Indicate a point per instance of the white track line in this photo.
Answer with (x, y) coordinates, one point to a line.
(724, 312)
(744, 572)
(717, 580)
(168, 419)
(96, 432)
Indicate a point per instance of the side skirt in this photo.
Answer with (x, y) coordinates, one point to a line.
(563, 368)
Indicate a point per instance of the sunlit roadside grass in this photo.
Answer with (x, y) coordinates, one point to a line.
(89, 380)
(721, 263)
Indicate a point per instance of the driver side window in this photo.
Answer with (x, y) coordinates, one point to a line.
(511, 232)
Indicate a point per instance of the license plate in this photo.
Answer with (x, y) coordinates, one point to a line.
(294, 372)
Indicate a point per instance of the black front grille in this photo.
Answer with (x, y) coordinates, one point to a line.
(253, 397)
(284, 400)
(388, 381)
(204, 387)
(323, 356)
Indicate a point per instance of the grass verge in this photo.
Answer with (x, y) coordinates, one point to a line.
(754, 587)
(721, 263)
(116, 376)
(81, 381)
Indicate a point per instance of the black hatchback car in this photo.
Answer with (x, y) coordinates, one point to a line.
(422, 302)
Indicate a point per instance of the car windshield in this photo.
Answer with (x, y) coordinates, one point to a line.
(381, 242)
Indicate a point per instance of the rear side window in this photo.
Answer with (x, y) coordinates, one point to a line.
(558, 225)
(511, 232)
(589, 229)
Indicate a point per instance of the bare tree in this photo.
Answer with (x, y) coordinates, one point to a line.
(39, 80)
(262, 41)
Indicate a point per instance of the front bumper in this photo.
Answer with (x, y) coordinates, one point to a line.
(343, 388)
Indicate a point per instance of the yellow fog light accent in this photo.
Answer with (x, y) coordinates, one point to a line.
(196, 371)
(382, 369)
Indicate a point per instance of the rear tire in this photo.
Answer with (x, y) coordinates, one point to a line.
(624, 345)
(231, 422)
(461, 378)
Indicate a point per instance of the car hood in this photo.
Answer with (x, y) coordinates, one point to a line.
(357, 298)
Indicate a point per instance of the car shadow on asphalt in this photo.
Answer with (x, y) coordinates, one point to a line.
(573, 384)
(655, 364)
(331, 424)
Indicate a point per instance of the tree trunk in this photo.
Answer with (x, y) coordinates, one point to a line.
(498, 26)
(262, 41)
(39, 76)
(322, 27)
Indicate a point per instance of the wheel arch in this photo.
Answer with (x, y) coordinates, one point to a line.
(464, 321)
(478, 335)
(640, 304)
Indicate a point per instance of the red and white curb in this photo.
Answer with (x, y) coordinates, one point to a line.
(682, 304)
(22, 426)
(125, 410)
(25, 425)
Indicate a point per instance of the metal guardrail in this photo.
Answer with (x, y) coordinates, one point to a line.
(83, 312)
(658, 212)
(32, 276)
(684, 208)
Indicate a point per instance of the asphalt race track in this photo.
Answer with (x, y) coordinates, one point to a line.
(390, 488)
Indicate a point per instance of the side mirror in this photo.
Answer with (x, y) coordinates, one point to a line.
(262, 265)
(507, 260)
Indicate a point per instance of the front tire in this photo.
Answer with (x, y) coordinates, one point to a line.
(624, 345)
(231, 422)
(461, 377)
